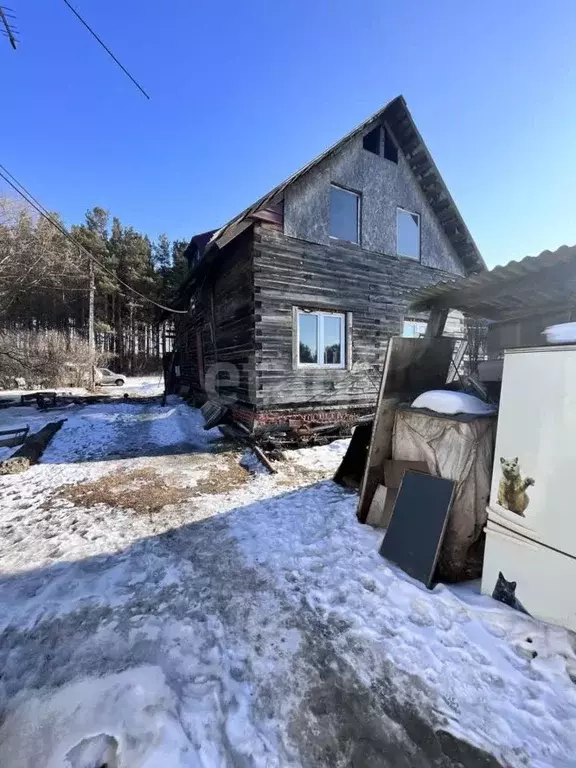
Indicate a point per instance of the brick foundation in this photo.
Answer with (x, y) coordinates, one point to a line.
(242, 414)
(297, 419)
(293, 419)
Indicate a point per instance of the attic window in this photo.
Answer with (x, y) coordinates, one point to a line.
(371, 141)
(390, 148)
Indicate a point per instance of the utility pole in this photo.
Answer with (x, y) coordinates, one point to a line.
(91, 339)
(131, 337)
(9, 30)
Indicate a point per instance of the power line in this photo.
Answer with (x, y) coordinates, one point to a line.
(32, 201)
(108, 51)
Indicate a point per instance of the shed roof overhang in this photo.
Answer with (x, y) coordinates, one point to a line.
(534, 285)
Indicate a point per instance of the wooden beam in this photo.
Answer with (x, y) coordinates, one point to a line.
(444, 210)
(436, 323)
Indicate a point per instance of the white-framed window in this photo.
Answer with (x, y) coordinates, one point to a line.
(320, 339)
(414, 329)
(344, 214)
(407, 233)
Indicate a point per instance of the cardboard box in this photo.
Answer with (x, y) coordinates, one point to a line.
(394, 471)
(384, 498)
(381, 501)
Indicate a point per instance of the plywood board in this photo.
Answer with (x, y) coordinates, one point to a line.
(412, 366)
(417, 365)
(417, 526)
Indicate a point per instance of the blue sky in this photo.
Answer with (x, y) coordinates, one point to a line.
(243, 93)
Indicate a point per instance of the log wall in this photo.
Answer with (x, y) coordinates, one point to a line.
(371, 288)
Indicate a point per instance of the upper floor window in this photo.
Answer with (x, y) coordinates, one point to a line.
(321, 339)
(407, 234)
(344, 214)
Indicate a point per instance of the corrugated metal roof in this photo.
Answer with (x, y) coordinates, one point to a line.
(519, 285)
(396, 114)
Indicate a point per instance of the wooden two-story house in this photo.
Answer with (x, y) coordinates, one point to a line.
(292, 302)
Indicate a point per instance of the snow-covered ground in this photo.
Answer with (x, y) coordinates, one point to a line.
(140, 385)
(135, 385)
(163, 606)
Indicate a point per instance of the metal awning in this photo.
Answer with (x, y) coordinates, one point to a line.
(520, 288)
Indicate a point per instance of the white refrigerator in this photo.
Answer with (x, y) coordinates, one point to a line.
(530, 556)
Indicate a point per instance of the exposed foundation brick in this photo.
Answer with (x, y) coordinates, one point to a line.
(242, 414)
(296, 419)
(293, 419)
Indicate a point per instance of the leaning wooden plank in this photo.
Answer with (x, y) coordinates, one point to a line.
(263, 459)
(237, 431)
(380, 446)
(353, 465)
(33, 448)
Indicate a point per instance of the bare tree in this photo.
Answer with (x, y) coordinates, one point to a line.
(33, 255)
(45, 358)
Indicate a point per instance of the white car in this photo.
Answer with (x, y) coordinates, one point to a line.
(105, 376)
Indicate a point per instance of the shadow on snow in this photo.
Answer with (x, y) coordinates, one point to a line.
(189, 601)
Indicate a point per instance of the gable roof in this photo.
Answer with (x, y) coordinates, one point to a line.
(397, 118)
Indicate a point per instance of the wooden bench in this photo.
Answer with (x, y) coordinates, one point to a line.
(12, 437)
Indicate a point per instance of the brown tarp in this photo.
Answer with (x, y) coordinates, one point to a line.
(459, 448)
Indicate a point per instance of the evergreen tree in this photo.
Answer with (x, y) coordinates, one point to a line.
(44, 281)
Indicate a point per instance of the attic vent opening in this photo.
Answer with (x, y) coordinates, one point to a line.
(380, 142)
(371, 141)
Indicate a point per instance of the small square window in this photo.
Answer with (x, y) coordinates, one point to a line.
(344, 214)
(414, 329)
(321, 339)
(407, 234)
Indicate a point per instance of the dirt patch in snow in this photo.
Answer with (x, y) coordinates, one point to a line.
(146, 490)
(225, 475)
(142, 490)
(292, 475)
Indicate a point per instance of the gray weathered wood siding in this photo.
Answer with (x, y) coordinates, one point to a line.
(223, 319)
(372, 287)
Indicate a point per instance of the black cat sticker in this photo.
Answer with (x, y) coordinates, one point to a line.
(505, 592)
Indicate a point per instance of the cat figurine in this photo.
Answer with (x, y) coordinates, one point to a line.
(505, 592)
(512, 489)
